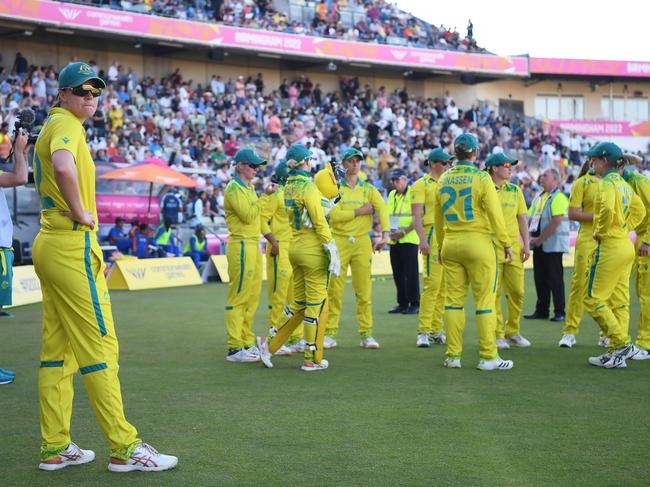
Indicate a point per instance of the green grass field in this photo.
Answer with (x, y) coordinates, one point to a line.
(389, 417)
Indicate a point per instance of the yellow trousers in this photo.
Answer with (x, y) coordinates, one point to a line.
(279, 287)
(78, 334)
(310, 280)
(510, 279)
(470, 261)
(357, 253)
(608, 289)
(575, 303)
(432, 299)
(245, 274)
(642, 285)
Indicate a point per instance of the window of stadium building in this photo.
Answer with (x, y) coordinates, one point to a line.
(625, 109)
(556, 107)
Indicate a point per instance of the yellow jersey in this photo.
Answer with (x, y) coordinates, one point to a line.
(273, 216)
(62, 130)
(641, 186)
(617, 209)
(301, 194)
(342, 219)
(583, 195)
(467, 202)
(513, 204)
(242, 211)
(423, 192)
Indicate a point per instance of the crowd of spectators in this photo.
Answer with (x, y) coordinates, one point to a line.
(371, 20)
(197, 127)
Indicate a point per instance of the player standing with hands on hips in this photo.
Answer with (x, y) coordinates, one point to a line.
(467, 214)
(78, 330)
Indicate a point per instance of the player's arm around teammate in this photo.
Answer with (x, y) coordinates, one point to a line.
(466, 203)
(581, 209)
(641, 186)
(617, 211)
(432, 299)
(510, 275)
(351, 223)
(244, 257)
(78, 330)
(313, 256)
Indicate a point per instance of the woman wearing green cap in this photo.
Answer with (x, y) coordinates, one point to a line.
(432, 300)
(351, 222)
(617, 211)
(313, 256)
(277, 232)
(243, 256)
(78, 329)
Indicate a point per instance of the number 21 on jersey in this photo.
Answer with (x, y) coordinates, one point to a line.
(448, 209)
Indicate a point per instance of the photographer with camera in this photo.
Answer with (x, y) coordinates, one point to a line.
(16, 177)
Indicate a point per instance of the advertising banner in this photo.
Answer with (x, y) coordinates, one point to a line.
(596, 128)
(589, 67)
(26, 288)
(137, 274)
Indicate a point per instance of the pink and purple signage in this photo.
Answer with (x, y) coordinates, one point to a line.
(586, 67)
(110, 206)
(217, 35)
(596, 128)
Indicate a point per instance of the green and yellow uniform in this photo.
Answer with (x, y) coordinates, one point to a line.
(510, 276)
(309, 262)
(467, 214)
(274, 219)
(617, 211)
(78, 329)
(583, 195)
(641, 186)
(244, 262)
(432, 299)
(351, 234)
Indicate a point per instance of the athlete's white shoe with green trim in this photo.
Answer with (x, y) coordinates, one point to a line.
(495, 364)
(369, 342)
(452, 363)
(502, 344)
(72, 455)
(328, 343)
(144, 458)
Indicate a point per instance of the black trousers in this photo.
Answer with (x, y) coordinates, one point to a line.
(404, 261)
(549, 279)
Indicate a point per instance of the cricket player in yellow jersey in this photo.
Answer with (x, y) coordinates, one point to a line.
(510, 275)
(351, 223)
(466, 215)
(313, 255)
(277, 232)
(581, 209)
(617, 211)
(432, 299)
(244, 257)
(641, 186)
(78, 330)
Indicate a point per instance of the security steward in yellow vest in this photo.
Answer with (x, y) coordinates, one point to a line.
(197, 246)
(403, 246)
(351, 222)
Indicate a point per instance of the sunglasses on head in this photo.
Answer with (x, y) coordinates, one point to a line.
(84, 89)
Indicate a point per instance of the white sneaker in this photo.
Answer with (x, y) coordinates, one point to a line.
(370, 343)
(282, 351)
(631, 351)
(251, 354)
(328, 343)
(423, 340)
(603, 341)
(438, 338)
(518, 341)
(568, 340)
(73, 455)
(235, 355)
(615, 359)
(144, 458)
(313, 366)
(642, 354)
(452, 363)
(502, 344)
(600, 360)
(297, 347)
(495, 364)
(265, 354)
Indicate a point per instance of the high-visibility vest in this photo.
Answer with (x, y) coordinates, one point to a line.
(399, 211)
(5, 146)
(163, 239)
(197, 243)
